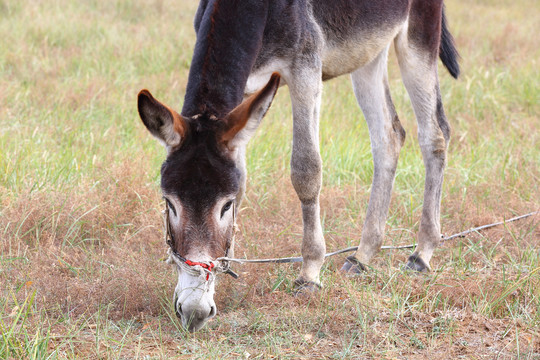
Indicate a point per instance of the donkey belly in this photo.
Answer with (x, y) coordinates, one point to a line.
(356, 31)
(347, 56)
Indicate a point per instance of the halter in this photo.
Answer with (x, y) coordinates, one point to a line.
(203, 269)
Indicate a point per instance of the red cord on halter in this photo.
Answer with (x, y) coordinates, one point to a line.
(208, 267)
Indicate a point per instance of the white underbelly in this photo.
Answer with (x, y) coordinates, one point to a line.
(344, 58)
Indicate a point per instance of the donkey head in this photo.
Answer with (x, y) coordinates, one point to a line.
(201, 181)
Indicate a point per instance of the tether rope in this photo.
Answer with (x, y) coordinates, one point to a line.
(354, 248)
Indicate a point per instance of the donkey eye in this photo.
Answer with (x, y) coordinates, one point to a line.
(170, 206)
(226, 207)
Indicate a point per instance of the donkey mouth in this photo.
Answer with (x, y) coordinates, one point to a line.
(193, 318)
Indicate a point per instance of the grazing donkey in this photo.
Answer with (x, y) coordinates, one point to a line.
(242, 46)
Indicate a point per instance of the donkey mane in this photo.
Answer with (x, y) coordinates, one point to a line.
(223, 58)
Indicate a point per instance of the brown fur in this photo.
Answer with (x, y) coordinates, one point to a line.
(425, 24)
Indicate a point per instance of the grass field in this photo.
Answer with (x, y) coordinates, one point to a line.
(81, 253)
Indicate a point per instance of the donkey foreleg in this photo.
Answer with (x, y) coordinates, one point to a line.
(386, 134)
(306, 168)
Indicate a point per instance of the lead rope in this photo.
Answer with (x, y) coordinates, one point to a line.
(354, 248)
(222, 264)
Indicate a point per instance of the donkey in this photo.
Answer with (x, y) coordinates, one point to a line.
(245, 50)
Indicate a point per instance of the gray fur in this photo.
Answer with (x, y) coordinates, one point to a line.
(322, 52)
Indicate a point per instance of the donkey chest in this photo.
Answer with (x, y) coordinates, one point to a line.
(260, 75)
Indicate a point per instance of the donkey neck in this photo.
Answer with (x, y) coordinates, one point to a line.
(229, 37)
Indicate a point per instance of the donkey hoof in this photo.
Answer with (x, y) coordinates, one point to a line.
(352, 266)
(415, 263)
(303, 287)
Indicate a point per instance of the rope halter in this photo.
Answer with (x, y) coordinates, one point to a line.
(205, 270)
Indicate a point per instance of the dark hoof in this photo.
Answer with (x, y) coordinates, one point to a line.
(352, 266)
(416, 264)
(303, 287)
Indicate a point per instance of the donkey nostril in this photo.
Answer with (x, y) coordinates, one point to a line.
(212, 312)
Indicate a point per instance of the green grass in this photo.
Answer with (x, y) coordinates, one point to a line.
(81, 270)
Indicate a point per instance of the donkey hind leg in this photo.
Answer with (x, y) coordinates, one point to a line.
(370, 86)
(418, 67)
(306, 170)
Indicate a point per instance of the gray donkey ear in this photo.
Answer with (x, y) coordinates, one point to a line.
(164, 123)
(243, 120)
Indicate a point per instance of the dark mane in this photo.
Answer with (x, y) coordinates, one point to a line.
(224, 54)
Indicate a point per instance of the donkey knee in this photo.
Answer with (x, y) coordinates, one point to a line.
(306, 177)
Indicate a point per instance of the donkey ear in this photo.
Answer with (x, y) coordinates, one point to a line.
(246, 117)
(162, 122)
